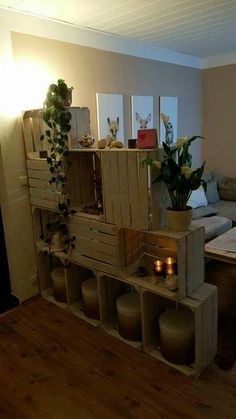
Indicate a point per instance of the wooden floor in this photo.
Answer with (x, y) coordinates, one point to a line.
(54, 365)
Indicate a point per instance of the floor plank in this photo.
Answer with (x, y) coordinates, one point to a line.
(54, 365)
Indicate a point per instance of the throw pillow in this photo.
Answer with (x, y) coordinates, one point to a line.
(197, 198)
(212, 194)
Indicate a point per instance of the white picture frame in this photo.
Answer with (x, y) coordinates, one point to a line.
(141, 113)
(110, 106)
(169, 107)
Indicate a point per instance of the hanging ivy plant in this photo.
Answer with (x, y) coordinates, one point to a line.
(57, 117)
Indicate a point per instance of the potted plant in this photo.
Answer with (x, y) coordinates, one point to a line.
(57, 117)
(180, 179)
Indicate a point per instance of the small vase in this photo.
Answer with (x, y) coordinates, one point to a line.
(178, 220)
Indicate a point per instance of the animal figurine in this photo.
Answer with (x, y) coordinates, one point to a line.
(113, 126)
(143, 122)
(102, 143)
(111, 139)
(169, 134)
(86, 140)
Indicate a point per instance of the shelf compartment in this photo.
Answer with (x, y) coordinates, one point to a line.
(110, 289)
(137, 248)
(203, 303)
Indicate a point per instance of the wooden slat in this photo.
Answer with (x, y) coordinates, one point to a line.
(28, 138)
(115, 188)
(107, 191)
(94, 264)
(36, 127)
(143, 191)
(38, 202)
(158, 251)
(195, 259)
(158, 204)
(38, 165)
(181, 261)
(86, 243)
(51, 196)
(156, 239)
(133, 189)
(96, 225)
(39, 174)
(93, 234)
(124, 189)
(41, 184)
(90, 252)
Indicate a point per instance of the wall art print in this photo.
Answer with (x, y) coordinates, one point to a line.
(168, 119)
(110, 116)
(142, 113)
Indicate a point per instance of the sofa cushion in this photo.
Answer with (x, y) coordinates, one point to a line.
(226, 209)
(214, 226)
(197, 198)
(206, 211)
(227, 189)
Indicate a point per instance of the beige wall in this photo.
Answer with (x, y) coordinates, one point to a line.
(218, 119)
(89, 71)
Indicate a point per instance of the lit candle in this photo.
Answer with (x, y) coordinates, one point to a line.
(159, 267)
(170, 266)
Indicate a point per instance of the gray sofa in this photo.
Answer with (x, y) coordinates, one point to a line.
(220, 213)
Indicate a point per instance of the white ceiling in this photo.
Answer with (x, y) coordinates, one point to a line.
(202, 28)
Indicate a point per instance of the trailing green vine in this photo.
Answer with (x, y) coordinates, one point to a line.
(57, 117)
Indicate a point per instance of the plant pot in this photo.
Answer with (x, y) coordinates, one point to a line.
(178, 220)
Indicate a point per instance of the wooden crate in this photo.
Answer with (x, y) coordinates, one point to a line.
(129, 196)
(138, 248)
(34, 127)
(95, 244)
(203, 303)
(42, 194)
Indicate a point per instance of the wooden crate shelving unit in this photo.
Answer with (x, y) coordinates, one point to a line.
(129, 233)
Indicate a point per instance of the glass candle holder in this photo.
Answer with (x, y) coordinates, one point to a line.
(170, 266)
(158, 267)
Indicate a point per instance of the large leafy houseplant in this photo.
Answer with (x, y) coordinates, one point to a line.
(177, 173)
(57, 117)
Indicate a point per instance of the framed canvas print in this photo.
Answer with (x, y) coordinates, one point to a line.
(110, 116)
(168, 119)
(142, 113)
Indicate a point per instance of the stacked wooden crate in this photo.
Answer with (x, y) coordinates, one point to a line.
(129, 233)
